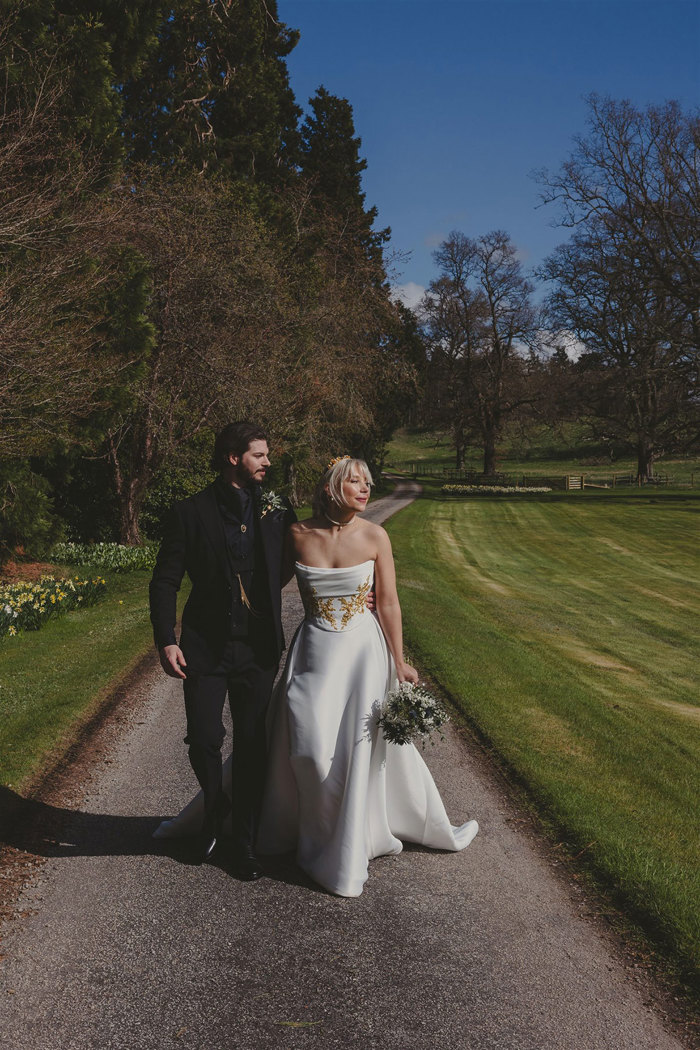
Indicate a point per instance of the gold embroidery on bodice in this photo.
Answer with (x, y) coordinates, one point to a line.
(314, 605)
(355, 604)
(323, 608)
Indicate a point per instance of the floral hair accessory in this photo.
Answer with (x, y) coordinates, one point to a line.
(338, 459)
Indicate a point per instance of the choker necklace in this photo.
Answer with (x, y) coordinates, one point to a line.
(340, 524)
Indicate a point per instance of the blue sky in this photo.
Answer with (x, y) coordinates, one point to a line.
(457, 101)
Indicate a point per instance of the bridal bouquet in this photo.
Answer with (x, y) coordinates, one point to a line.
(409, 712)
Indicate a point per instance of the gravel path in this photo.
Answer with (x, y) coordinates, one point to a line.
(123, 945)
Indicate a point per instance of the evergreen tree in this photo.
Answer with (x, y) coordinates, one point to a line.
(214, 92)
(66, 47)
(330, 158)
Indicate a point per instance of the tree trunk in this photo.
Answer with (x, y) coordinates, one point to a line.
(290, 477)
(131, 493)
(490, 453)
(645, 459)
(460, 446)
(130, 502)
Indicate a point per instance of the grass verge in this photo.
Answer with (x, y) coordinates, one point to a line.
(567, 637)
(51, 679)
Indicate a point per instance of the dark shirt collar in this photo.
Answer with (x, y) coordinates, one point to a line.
(235, 499)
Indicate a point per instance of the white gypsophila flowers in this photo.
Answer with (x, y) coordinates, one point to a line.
(411, 712)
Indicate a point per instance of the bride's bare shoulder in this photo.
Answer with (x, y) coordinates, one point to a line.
(300, 528)
(375, 533)
(372, 528)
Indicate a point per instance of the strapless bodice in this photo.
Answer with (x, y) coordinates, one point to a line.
(335, 599)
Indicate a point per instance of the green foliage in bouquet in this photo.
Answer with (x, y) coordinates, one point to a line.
(411, 712)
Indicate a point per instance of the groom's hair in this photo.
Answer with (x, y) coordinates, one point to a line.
(235, 438)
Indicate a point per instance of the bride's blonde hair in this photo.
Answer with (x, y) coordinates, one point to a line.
(333, 478)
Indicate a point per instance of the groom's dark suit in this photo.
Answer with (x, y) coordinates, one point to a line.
(231, 547)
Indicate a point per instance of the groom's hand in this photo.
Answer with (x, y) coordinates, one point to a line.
(371, 601)
(171, 660)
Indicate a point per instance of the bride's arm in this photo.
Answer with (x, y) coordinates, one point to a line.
(288, 556)
(388, 608)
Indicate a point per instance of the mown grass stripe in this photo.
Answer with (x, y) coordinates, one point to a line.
(582, 680)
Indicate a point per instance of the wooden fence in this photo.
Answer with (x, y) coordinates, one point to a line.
(567, 482)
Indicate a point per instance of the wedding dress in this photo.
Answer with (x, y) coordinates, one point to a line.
(337, 793)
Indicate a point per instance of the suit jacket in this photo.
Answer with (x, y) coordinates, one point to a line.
(194, 542)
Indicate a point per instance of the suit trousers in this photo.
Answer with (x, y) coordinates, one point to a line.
(247, 677)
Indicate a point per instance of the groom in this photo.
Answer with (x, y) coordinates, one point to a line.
(229, 539)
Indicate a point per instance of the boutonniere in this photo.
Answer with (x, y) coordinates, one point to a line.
(270, 502)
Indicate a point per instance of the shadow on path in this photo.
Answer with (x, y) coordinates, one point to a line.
(43, 830)
(52, 831)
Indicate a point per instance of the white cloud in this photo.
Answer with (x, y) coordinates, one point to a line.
(410, 294)
(562, 339)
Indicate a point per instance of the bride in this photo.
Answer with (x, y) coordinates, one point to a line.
(336, 791)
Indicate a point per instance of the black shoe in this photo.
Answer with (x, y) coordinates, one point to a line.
(204, 846)
(246, 865)
(206, 840)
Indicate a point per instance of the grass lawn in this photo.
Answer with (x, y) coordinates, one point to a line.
(566, 630)
(51, 678)
(542, 454)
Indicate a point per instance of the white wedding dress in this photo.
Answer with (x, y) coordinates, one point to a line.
(337, 793)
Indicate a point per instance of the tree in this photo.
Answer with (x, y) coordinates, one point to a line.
(330, 159)
(213, 92)
(478, 320)
(55, 268)
(208, 280)
(241, 327)
(200, 83)
(636, 175)
(44, 42)
(628, 283)
(639, 373)
(333, 366)
(165, 266)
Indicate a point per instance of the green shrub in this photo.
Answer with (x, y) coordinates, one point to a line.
(501, 490)
(28, 523)
(83, 495)
(188, 471)
(111, 557)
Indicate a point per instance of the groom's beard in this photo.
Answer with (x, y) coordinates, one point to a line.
(245, 477)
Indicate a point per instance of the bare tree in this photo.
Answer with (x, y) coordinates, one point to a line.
(637, 175)
(54, 269)
(480, 325)
(639, 373)
(628, 282)
(212, 303)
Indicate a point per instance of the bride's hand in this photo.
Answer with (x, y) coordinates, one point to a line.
(406, 673)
